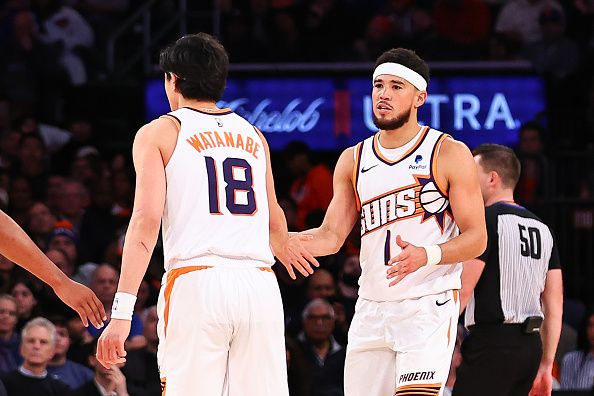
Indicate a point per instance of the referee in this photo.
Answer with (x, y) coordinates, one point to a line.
(510, 349)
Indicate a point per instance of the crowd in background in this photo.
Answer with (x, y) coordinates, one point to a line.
(65, 182)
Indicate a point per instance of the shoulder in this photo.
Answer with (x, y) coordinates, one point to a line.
(347, 157)
(159, 127)
(452, 148)
(455, 158)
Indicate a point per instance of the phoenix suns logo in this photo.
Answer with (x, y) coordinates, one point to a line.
(422, 199)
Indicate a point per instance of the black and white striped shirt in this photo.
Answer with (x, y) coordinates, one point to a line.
(520, 251)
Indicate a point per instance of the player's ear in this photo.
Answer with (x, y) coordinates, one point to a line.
(174, 80)
(420, 98)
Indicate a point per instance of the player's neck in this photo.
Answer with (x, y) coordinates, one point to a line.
(506, 196)
(395, 138)
(197, 104)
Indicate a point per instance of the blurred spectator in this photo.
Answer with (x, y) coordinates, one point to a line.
(26, 295)
(37, 348)
(62, 261)
(55, 184)
(554, 55)
(377, 37)
(464, 27)
(87, 167)
(7, 269)
(106, 382)
(9, 147)
(82, 134)
(80, 342)
(72, 374)
(141, 370)
(142, 298)
(312, 187)
(577, 370)
(73, 202)
(63, 238)
(70, 32)
(32, 163)
(52, 137)
(123, 193)
(105, 284)
(533, 187)
(322, 39)
(321, 284)
(94, 227)
(104, 16)
(518, 22)
(316, 341)
(40, 223)
(297, 369)
(30, 73)
(348, 284)
(20, 197)
(284, 35)
(290, 209)
(10, 340)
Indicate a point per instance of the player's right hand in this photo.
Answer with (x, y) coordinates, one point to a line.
(110, 346)
(295, 256)
(83, 301)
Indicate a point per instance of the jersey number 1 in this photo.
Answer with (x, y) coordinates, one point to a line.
(233, 186)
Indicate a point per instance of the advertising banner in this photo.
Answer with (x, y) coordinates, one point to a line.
(332, 113)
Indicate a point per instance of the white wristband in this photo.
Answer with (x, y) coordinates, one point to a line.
(433, 254)
(123, 306)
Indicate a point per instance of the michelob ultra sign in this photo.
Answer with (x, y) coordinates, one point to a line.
(331, 113)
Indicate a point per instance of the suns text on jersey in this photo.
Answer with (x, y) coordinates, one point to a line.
(213, 139)
(390, 207)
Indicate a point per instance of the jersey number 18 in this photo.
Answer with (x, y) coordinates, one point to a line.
(232, 187)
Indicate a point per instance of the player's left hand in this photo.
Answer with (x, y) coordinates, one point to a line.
(83, 301)
(110, 346)
(410, 259)
(543, 383)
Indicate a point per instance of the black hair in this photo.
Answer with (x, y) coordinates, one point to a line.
(583, 343)
(200, 63)
(407, 58)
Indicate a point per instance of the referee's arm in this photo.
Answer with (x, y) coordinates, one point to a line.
(470, 275)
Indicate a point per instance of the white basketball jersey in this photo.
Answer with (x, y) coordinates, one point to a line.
(401, 197)
(216, 208)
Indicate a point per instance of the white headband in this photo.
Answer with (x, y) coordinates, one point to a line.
(396, 69)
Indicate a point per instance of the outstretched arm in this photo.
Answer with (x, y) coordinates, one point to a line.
(16, 246)
(341, 214)
(287, 249)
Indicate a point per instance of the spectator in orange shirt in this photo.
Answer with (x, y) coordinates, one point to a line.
(312, 187)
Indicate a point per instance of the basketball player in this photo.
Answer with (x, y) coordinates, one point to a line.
(16, 246)
(415, 191)
(205, 173)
